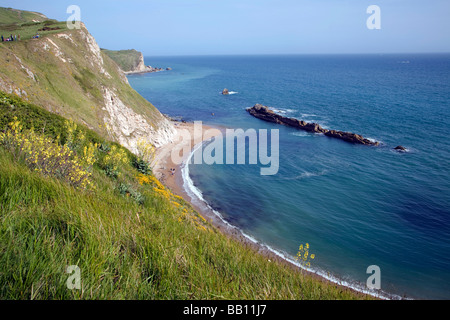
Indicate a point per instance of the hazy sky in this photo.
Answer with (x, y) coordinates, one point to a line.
(192, 27)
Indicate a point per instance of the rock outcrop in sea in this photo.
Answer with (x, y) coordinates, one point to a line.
(400, 149)
(264, 113)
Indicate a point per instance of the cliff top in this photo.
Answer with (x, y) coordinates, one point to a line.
(27, 24)
(14, 16)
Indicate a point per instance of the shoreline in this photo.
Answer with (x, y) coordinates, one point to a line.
(162, 163)
(162, 166)
(153, 70)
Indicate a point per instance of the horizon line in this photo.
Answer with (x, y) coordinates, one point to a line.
(289, 54)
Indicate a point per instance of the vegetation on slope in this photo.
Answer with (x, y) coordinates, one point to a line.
(73, 88)
(27, 24)
(14, 16)
(65, 72)
(128, 234)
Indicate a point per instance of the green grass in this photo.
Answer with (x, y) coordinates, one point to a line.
(12, 16)
(29, 29)
(125, 250)
(26, 24)
(72, 89)
(35, 117)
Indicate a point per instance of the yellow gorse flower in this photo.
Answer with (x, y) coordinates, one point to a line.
(186, 213)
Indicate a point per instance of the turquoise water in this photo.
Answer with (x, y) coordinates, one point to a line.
(355, 205)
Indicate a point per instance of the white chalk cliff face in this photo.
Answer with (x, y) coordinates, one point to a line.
(128, 128)
(122, 123)
(141, 66)
(85, 85)
(95, 58)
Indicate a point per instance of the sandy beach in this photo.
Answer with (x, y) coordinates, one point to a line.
(166, 165)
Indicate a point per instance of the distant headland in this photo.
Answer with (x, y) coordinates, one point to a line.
(131, 61)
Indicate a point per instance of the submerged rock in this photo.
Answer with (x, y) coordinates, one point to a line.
(264, 113)
(400, 148)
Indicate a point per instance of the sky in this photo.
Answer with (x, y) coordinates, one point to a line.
(212, 27)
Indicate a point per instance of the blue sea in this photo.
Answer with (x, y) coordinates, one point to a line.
(355, 205)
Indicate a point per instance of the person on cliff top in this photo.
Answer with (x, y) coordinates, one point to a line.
(3, 39)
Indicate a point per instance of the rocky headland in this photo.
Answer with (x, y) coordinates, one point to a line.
(264, 113)
(131, 61)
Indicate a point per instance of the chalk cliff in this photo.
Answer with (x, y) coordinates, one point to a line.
(66, 72)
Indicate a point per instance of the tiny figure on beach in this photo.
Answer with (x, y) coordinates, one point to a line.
(172, 171)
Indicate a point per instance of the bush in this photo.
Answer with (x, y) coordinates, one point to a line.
(142, 166)
(104, 148)
(114, 160)
(127, 191)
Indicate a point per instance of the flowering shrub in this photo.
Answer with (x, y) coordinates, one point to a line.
(42, 154)
(146, 154)
(75, 137)
(145, 150)
(114, 160)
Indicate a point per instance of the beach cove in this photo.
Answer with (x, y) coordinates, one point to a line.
(356, 206)
(175, 176)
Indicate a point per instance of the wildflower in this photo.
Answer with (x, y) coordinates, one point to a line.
(145, 150)
(303, 255)
(43, 155)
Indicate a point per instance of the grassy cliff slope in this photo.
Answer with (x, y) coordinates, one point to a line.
(14, 16)
(129, 235)
(65, 72)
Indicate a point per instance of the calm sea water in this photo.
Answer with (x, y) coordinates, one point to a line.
(355, 205)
